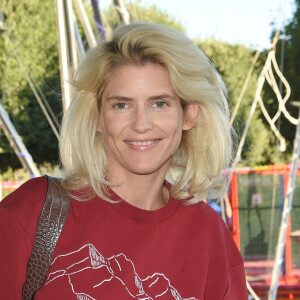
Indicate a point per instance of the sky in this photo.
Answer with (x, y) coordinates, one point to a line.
(246, 22)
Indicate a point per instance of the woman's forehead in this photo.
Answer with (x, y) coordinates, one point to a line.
(153, 75)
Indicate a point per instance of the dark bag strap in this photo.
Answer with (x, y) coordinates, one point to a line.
(49, 227)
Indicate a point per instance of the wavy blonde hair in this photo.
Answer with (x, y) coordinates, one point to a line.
(204, 150)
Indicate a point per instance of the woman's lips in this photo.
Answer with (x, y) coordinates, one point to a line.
(142, 144)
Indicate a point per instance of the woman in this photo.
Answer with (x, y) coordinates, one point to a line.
(149, 106)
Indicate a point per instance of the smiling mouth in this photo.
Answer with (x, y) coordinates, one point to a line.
(142, 143)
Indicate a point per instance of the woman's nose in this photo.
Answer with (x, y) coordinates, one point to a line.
(141, 120)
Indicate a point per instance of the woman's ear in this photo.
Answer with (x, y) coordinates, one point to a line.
(99, 125)
(98, 128)
(190, 116)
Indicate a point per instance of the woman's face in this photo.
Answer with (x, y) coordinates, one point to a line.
(141, 120)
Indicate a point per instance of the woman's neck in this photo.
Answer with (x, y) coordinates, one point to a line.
(143, 191)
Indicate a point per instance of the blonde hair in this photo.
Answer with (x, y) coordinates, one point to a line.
(204, 150)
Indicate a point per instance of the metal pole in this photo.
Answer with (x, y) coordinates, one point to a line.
(85, 24)
(122, 11)
(98, 19)
(70, 33)
(17, 143)
(236, 108)
(79, 44)
(63, 55)
(260, 84)
(286, 213)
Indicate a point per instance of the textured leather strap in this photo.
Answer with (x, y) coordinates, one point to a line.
(49, 227)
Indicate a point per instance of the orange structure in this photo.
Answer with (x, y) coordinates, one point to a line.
(256, 196)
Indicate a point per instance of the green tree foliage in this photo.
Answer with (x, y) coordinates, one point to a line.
(233, 62)
(29, 31)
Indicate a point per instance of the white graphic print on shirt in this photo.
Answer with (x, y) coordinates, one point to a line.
(116, 273)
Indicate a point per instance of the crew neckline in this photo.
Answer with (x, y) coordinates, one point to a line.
(143, 215)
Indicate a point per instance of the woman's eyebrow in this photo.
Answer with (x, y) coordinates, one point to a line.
(124, 98)
(119, 98)
(162, 96)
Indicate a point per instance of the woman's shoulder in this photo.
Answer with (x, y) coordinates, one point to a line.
(205, 219)
(29, 194)
(200, 210)
(24, 205)
(209, 226)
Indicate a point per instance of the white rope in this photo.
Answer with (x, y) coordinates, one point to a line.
(287, 95)
(273, 127)
(267, 74)
(261, 81)
(281, 101)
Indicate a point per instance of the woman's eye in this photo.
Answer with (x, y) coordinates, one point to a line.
(160, 104)
(120, 106)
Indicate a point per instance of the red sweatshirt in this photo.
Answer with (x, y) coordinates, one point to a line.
(117, 251)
